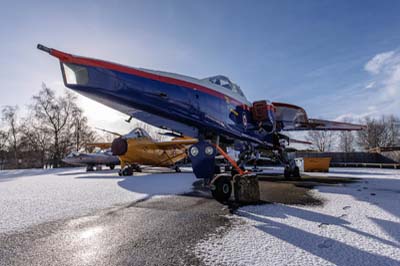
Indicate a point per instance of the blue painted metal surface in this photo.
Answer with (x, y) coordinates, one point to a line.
(203, 164)
(171, 102)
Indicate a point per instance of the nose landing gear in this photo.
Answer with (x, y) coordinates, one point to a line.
(202, 155)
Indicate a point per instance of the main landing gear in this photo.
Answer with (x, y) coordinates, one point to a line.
(291, 171)
(177, 169)
(128, 170)
(243, 183)
(89, 168)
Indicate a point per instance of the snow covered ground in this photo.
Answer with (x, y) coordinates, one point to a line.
(34, 196)
(358, 224)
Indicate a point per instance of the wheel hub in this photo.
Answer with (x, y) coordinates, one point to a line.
(225, 188)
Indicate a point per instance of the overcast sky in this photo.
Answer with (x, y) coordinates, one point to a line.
(337, 59)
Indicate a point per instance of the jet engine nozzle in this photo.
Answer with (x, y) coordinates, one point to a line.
(119, 146)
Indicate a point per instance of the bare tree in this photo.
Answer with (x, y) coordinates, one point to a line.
(393, 130)
(54, 113)
(60, 118)
(104, 137)
(346, 141)
(82, 133)
(381, 132)
(321, 140)
(3, 147)
(10, 119)
(36, 138)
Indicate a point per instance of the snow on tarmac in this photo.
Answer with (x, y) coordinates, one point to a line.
(358, 224)
(34, 196)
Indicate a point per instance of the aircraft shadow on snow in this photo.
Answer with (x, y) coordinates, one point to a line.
(327, 248)
(323, 247)
(163, 184)
(160, 183)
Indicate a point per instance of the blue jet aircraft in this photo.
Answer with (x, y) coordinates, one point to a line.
(214, 110)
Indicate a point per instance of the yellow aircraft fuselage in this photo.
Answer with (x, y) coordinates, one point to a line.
(143, 151)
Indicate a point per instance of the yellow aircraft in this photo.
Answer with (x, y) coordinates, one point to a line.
(138, 148)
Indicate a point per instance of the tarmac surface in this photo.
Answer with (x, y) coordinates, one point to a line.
(157, 230)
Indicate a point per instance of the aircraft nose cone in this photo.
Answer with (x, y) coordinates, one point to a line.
(119, 146)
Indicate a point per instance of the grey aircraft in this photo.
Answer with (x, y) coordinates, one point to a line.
(92, 160)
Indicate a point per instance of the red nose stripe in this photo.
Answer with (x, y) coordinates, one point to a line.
(69, 58)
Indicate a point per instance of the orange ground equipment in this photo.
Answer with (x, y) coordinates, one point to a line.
(314, 164)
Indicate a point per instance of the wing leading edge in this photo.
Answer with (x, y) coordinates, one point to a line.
(167, 145)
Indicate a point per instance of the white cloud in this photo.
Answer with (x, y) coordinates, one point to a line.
(378, 61)
(370, 85)
(385, 80)
(355, 118)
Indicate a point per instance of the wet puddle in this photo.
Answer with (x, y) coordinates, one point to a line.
(286, 193)
(276, 189)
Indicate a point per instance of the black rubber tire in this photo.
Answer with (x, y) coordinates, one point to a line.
(296, 173)
(177, 169)
(89, 168)
(221, 189)
(138, 169)
(287, 173)
(127, 171)
(112, 166)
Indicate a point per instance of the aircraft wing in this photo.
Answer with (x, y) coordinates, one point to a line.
(109, 132)
(173, 144)
(298, 141)
(291, 118)
(318, 124)
(101, 145)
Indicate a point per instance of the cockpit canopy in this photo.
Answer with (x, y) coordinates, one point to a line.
(137, 133)
(73, 154)
(226, 83)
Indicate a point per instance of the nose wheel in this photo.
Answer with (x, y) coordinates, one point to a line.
(221, 188)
